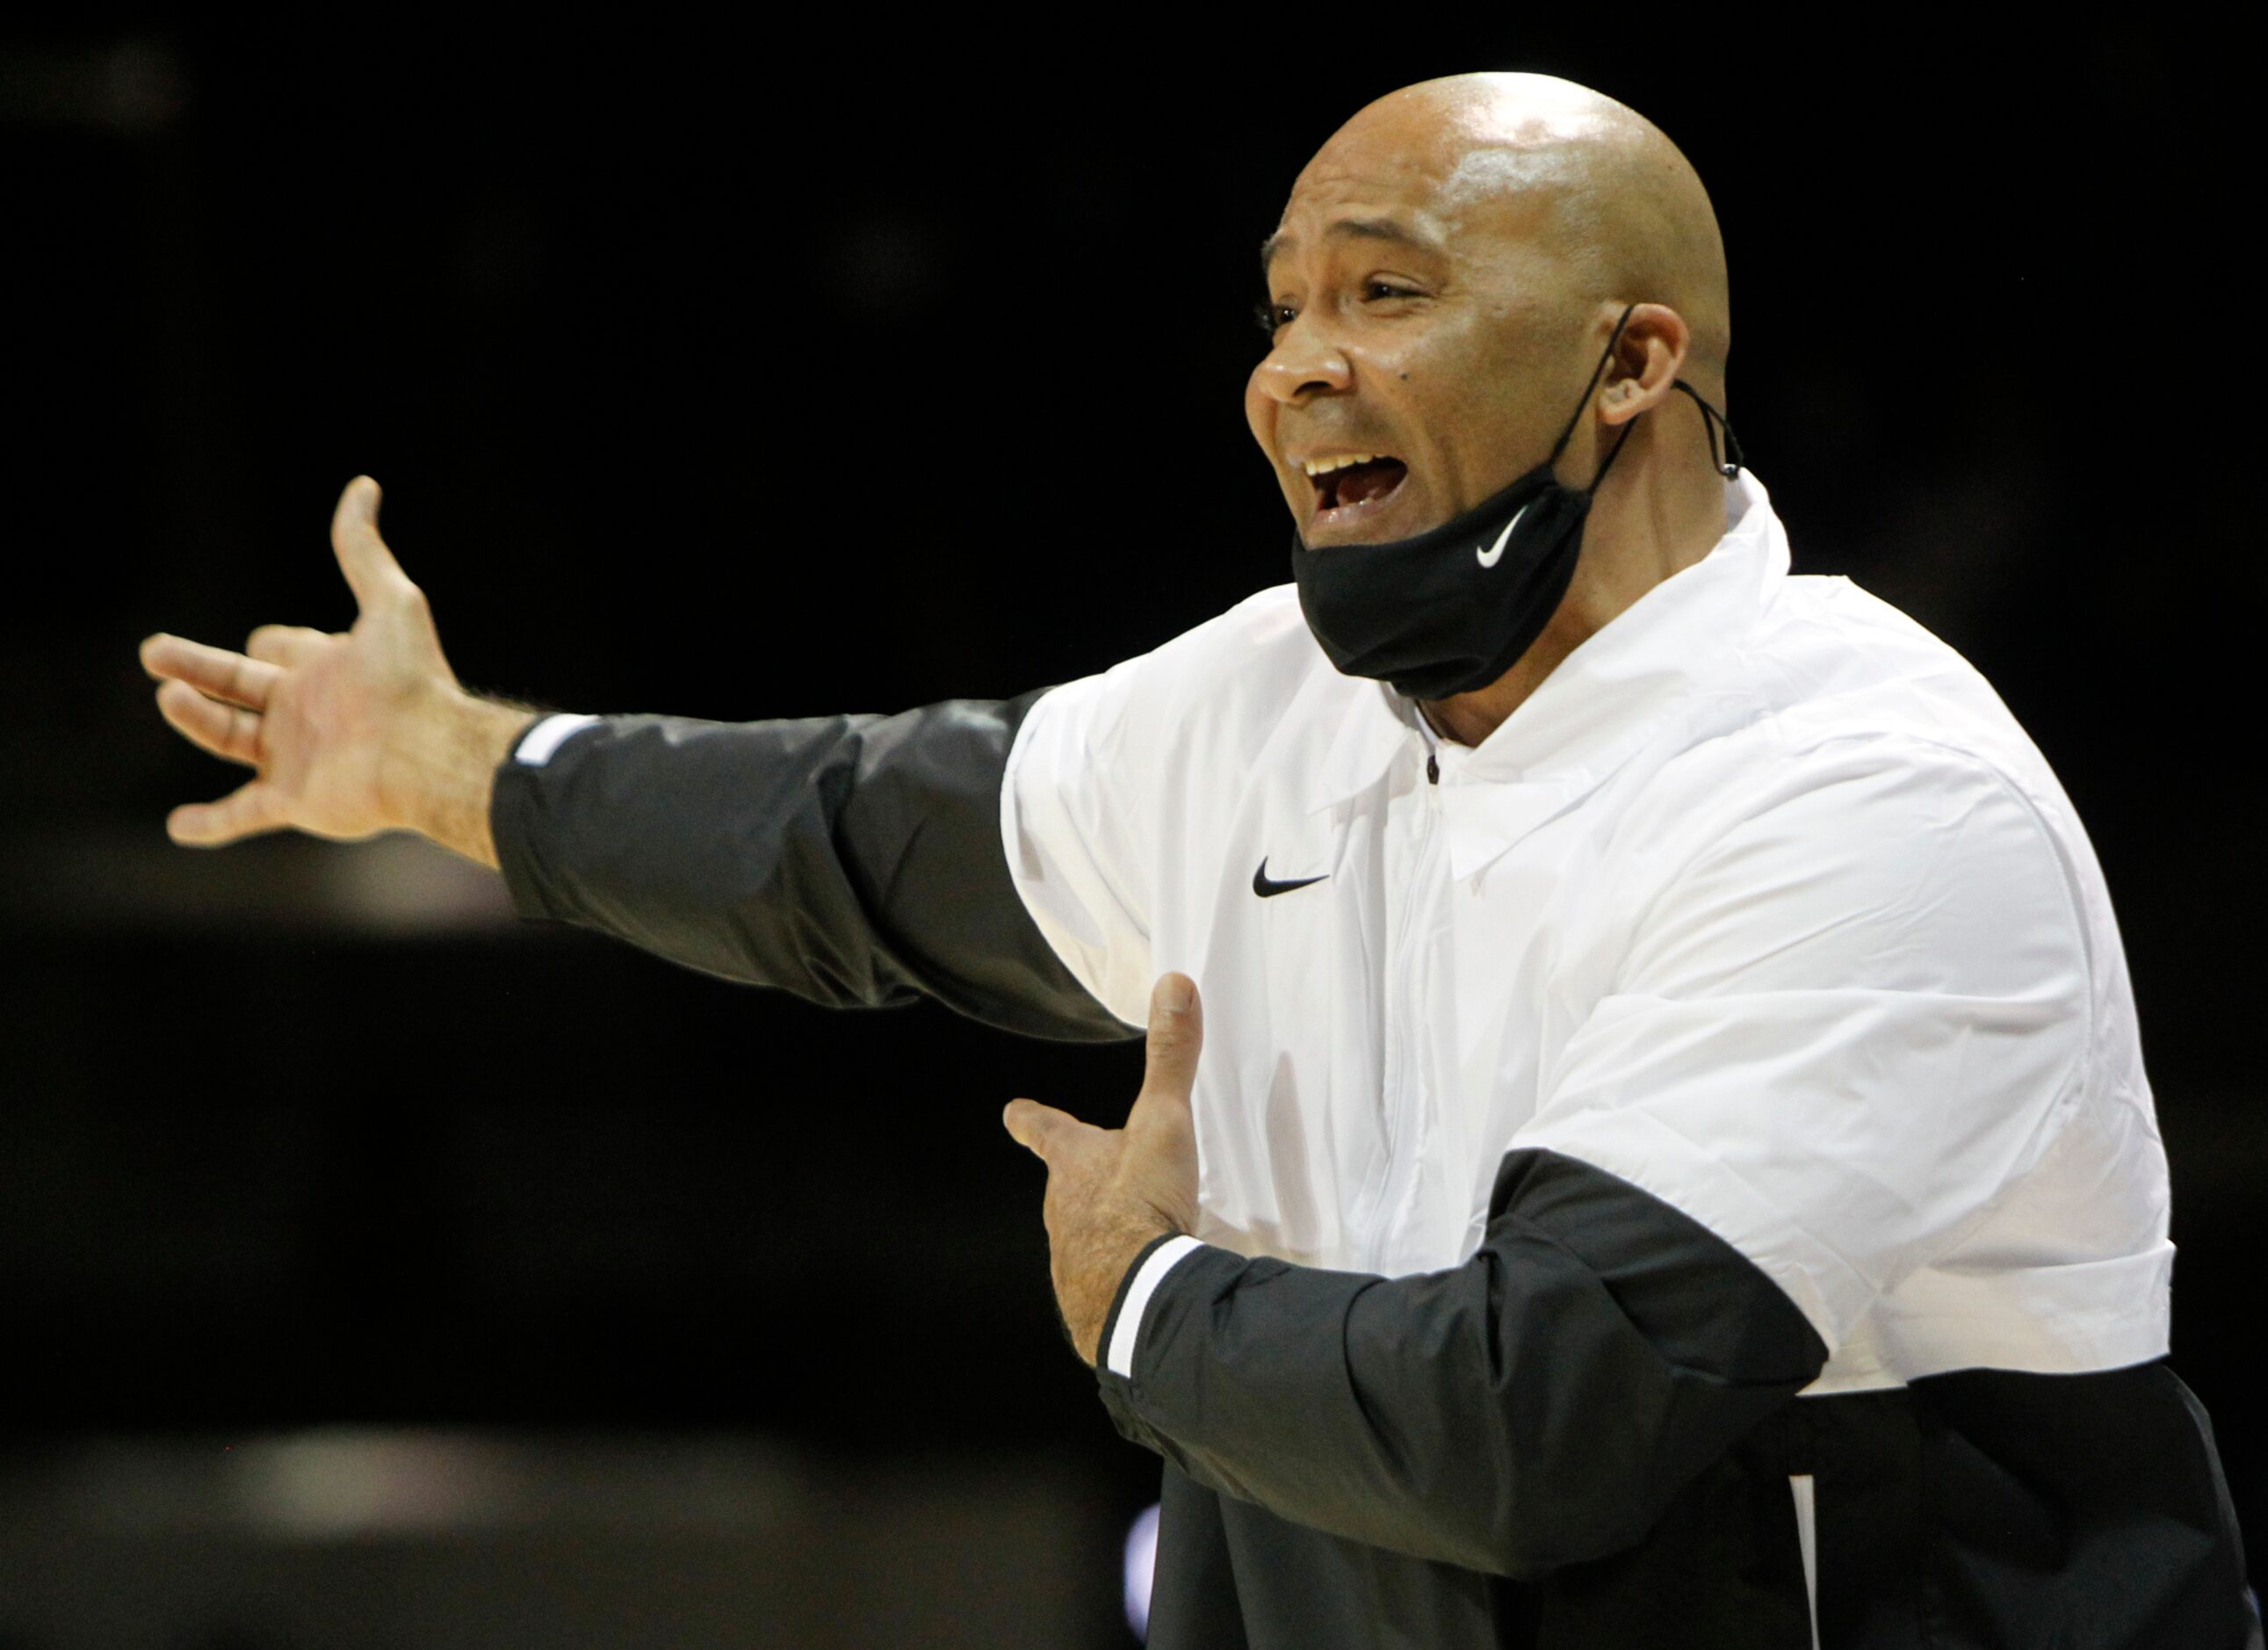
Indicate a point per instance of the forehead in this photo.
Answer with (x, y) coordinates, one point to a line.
(1440, 186)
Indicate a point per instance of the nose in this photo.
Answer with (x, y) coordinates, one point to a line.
(1303, 365)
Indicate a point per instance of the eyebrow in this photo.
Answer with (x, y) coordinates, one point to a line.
(1351, 229)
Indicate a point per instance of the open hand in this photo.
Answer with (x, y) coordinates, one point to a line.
(348, 734)
(1110, 1191)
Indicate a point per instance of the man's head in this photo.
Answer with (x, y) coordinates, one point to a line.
(1446, 275)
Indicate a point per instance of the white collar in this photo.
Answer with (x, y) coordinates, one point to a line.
(1592, 713)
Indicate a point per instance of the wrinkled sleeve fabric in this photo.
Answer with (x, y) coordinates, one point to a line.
(1536, 1407)
(1081, 830)
(855, 861)
(1847, 1028)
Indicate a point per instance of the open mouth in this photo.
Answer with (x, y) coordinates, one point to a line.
(1357, 479)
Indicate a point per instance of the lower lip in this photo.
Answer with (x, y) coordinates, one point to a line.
(1350, 523)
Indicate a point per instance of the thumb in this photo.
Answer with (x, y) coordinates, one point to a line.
(1176, 1034)
(1035, 1127)
(371, 571)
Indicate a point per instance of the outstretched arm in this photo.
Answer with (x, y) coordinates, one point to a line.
(855, 860)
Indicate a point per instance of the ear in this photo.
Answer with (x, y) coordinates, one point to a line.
(1648, 359)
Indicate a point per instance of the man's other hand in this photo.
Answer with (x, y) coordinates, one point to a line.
(349, 735)
(1110, 1191)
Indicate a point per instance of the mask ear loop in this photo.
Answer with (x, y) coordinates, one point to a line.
(1709, 419)
(1575, 417)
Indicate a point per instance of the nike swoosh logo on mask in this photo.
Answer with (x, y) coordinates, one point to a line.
(1494, 554)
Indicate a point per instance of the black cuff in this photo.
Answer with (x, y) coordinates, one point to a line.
(515, 806)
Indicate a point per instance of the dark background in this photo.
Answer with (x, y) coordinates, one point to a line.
(740, 377)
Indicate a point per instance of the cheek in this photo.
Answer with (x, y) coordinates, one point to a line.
(1420, 383)
(1454, 393)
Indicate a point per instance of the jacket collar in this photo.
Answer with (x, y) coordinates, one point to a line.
(1592, 713)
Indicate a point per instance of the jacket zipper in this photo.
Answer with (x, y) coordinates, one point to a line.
(1402, 1013)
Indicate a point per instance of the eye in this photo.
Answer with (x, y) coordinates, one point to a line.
(1269, 317)
(1386, 289)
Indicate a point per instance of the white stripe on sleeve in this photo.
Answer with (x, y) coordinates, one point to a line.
(546, 736)
(1129, 1328)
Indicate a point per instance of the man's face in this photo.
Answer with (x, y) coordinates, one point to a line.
(1418, 320)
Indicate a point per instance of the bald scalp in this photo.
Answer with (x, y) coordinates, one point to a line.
(1614, 200)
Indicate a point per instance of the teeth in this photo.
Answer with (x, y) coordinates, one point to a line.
(1324, 466)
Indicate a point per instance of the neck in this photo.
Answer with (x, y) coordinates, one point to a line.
(1653, 517)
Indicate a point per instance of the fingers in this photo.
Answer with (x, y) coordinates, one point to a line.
(1038, 1129)
(212, 671)
(371, 572)
(1176, 1034)
(225, 729)
(244, 813)
(283, 645)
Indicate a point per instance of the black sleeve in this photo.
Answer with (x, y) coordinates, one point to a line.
(854, 860)
(1539, 1406)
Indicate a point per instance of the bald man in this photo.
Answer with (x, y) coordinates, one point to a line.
(1644, 1139)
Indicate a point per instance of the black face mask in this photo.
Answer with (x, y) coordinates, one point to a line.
(1451, 610)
